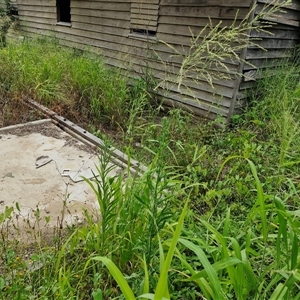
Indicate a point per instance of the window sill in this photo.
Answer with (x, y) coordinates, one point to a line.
(65, 24)
(143, 37)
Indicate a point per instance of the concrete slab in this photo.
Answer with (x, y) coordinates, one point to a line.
(40, 169)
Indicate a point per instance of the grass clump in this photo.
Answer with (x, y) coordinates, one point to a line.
(74, 83)
(214, 217)
(8, 19)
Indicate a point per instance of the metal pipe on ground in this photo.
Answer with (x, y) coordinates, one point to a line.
(86, 137)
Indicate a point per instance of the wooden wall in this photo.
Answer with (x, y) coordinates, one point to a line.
(282, 38)
(108, 25)
(176, 17)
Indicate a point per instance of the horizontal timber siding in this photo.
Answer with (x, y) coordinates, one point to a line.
(106, 25)
(282, 38)
(176, 20)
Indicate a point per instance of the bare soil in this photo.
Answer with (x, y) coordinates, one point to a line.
(44, 196)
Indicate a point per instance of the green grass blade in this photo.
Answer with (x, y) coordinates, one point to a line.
(146, 279)
(279, 292)
(252, 281)
(260, 201)
(97, 295)
(282, 231)
(225, 252)
(6, 214)
(147, 296)
(271, 285)
(117, 275)
(63, 251)
(161, 254)
(297, 275)
(239, 270)
(218, 266)
(150, 296)
(295, 250)
(297, 297)
(204, 286)
(211, 272)
(162, 285)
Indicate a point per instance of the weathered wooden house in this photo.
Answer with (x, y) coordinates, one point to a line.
(130, 34)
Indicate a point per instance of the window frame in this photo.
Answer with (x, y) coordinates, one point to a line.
(144, 16)
(63, 12)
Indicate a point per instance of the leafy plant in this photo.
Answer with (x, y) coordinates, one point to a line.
(241, 231)
(108, 190)
(161, 290)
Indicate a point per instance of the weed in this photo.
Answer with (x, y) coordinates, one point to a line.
(240, 236)
(7, 19)
(79, 85)
(161, 291)
(228, 264)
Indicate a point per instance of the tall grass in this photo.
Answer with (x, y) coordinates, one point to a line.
(252, 262)
(280, 109)
(253, 254)
(239, 238)
(236, 238)
(74, 83)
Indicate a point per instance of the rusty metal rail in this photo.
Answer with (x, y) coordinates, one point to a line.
(86, 137)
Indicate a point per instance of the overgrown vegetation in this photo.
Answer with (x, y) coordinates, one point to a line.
(216, 215)
(8, 18)
(239, 237)
(73, 80)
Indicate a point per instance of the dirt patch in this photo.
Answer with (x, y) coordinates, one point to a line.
(13, 111)
(48, 129)
(40, 172)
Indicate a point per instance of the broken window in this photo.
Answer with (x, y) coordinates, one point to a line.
(12, 8)
(144, 17)
(63, 11)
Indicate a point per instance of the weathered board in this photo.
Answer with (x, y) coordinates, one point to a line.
(147, 35)
(275, 45)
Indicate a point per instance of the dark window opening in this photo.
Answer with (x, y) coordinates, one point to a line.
(144, 32)
(14, 11)
(144, 18)
(63, 11)
(11, 8)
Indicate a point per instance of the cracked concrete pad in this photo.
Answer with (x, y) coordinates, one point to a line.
(54, 151)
